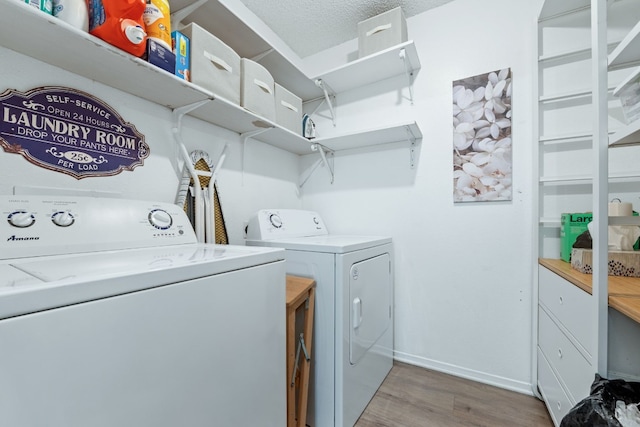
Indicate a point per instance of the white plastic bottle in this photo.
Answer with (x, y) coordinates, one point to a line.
(73, 12)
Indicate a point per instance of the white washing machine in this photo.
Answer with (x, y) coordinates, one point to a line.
(352, 348)
(112, 315)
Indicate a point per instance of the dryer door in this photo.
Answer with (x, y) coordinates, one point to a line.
(370, 297)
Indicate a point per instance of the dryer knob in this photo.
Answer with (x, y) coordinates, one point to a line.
(160, 219)
(62, 218)
(275, 220)
(21, 219)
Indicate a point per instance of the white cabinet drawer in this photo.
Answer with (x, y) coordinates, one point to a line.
(557, 401)
(569, 304)
(574, 371)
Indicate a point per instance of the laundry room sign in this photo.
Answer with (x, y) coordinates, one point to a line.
(69, 131)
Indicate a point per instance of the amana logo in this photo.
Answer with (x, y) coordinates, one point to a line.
(14, 238)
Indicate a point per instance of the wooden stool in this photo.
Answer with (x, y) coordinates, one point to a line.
(300, 291)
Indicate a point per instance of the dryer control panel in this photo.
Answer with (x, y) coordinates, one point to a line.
(45, 225)
(268, 224)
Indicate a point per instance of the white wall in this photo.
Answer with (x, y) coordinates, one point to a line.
(270, 174)
(463, 271)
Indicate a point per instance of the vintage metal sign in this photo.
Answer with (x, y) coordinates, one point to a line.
(69, 131)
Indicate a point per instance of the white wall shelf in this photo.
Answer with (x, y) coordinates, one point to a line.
(555, 9)
(628, 81)
(626, 54)
(570, 96)
(90, 57)
(587, 179)
(568, 55)
(549, 222)
(628, 50)
(84, 55)
(573, 55)
(566, 96)
(391, 62)
(372, 68)
(628, 135)
(566, 180)
(53, 41)
(394, 133)
(566, 138)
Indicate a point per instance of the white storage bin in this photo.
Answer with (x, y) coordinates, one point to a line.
(288, 110)
(256, 90)
(381, 32)
(214, 65)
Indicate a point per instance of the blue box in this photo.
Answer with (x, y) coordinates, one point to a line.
(44, 5)
(160, 56)
(180, 44)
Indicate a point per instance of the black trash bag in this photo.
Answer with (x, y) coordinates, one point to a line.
(599, 408)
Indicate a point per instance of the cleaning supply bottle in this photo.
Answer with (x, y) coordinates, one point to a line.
(73, 12)
(120, 23)
(157, 21)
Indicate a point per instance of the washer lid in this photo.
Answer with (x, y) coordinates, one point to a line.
(11, 277)
(90, 266)
(53, 281)
(332, 243)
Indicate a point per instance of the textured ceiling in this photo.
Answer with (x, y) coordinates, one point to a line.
(311, 26)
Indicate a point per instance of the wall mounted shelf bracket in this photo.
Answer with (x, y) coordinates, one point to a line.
(412, 147)
(244, 137)
(409, 72)
(323, 151)
(328, 94)
(178, 114)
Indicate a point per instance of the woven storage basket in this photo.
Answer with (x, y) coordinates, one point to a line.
(621, 263)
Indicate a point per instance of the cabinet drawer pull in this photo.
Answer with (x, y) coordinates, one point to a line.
(559, 405)
(561, 301)
(560, 353)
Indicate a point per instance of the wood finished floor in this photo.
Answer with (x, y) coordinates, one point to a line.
(414, 397)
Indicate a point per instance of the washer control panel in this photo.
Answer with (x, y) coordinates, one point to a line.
(45, 225)
(268, 224)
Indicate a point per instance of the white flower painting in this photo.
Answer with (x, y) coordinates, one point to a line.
(482, 137)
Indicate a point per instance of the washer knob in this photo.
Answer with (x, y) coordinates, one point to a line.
(21, 219)
(275, 220)
(62, 218)
(160, 219)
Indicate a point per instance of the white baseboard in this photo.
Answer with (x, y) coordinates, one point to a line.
(458, 371)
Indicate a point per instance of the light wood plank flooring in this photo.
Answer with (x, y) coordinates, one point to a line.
(414, 397)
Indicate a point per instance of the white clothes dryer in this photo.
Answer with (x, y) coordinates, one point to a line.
(352, 348)
(111, 314)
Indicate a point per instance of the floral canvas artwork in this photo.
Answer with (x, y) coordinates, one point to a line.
(482, 138)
